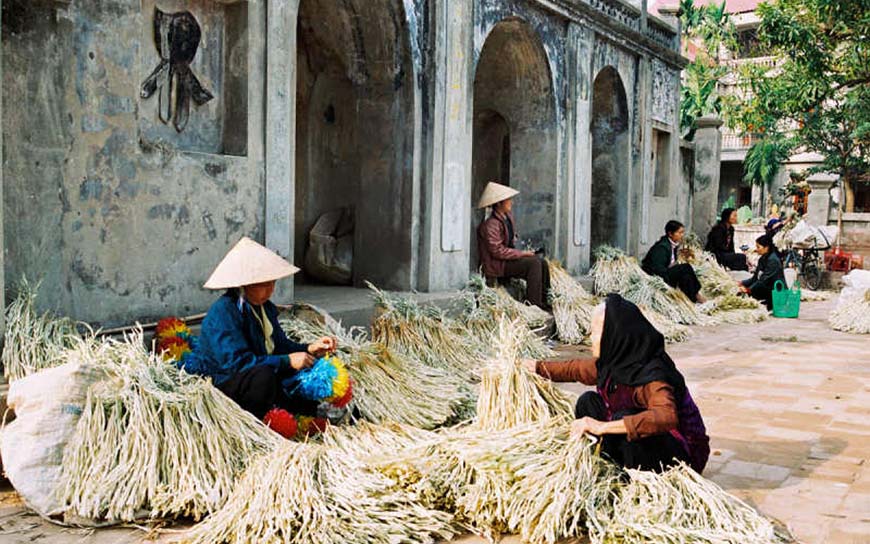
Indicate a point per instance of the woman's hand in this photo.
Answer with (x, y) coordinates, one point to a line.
(587, 425)
(300, 360)
(323, 346)
(530, 364)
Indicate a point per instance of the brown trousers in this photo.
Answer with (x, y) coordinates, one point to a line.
(537, 275)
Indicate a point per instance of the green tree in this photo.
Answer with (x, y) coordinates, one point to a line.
(708, 32)
(817, 96)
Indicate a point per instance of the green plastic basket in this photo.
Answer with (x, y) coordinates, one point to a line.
(786, 302)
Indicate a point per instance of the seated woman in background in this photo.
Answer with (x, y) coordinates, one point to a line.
(242, 347)
(720, 242)
(768, 271)
(642, 409)
(661, 260)
(496, 246)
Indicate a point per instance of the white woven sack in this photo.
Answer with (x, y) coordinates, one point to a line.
(47, 407)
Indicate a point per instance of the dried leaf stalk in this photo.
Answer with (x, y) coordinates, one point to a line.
(32, 341)
(154, 441)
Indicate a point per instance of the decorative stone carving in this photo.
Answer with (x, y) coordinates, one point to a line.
(618, 11)
(664, 101)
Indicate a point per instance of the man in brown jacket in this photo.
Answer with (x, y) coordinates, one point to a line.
(496, 240)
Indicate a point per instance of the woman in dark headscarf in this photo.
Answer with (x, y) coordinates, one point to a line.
(720, 242)
(642, 409)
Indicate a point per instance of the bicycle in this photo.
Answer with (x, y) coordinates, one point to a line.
(809, 263)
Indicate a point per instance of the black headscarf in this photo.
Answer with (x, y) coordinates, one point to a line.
(632, 350)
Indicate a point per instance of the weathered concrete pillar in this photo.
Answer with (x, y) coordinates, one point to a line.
(819, 201)
(2, 218)
(579, 155)
(281, 132)
(445, 254)
(646, 168)
(705, 202)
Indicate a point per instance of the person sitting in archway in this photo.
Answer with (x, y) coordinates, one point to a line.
(720, 242)
(642, 409)
(661, 260)
(242, 348)
(769, 270)
(496, 244)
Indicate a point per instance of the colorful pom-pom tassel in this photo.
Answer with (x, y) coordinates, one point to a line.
(282, 422)
(171, 326)
(326, 380)
(173, 348)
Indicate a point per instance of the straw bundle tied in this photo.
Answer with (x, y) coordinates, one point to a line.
(715, 280)
(305, 493)
(480, 307)
(852, 315)
(678, 506)
(509, 394)
(672, 331)
(572, 306)
(389, 385)
(616, 272)
(32, 341)
(153, 441)
(815, 296)
(424, 333)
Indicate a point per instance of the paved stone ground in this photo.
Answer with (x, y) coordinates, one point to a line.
(787, 404)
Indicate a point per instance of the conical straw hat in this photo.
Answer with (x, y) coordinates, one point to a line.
(248, 263)
(495, 192)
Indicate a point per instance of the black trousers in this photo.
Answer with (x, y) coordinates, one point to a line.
(732, 261)
(537, 275)
(763, 295)
(682, 276)
(259, 389)
(655, 452)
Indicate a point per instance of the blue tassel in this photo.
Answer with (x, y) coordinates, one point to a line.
(314, 383)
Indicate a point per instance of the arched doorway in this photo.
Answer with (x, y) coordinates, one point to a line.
(515, 131)
(610, 161)
(354, 133)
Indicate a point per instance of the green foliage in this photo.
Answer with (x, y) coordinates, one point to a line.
(710, 30)
(764, 158)
(818, 93)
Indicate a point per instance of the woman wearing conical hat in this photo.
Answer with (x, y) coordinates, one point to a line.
(496, 245)
(242, 347)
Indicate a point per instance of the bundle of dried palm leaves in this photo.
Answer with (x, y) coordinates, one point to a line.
(572, 306)
(307, 493)
(808, 295)
(33, 341)
(152, 440)
(715, 280)
(480, 308)
(852, 315)
(678, 506)
(616, 272)
(509, 394)
(424, 333)
(672, 331)
(388, 384)
(477, 295)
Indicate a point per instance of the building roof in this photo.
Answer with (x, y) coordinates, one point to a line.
(731, 6)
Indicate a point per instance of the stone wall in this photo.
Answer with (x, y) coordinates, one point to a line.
(395, 109)
(119, 215)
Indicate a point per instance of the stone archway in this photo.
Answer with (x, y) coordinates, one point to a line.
(355, 132)
(515, 130)
(610, 206)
